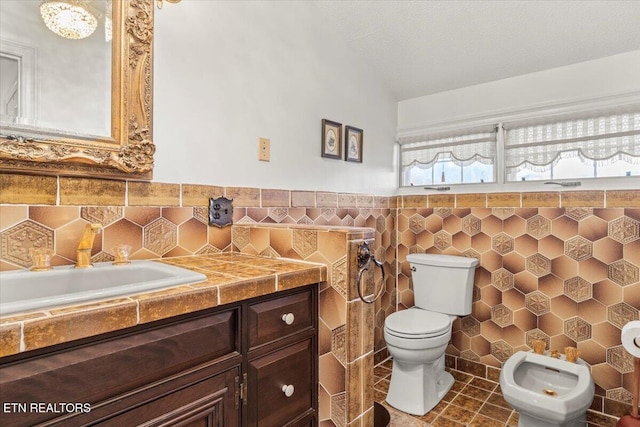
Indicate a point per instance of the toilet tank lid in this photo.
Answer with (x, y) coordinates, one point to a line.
(442, 260)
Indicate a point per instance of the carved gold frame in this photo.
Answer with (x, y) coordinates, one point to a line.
(128, 153)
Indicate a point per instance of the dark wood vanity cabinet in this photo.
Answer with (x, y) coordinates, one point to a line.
(248, 364)
(282, 361)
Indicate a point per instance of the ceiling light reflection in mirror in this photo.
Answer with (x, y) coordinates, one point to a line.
(64, 74)
(70, 19)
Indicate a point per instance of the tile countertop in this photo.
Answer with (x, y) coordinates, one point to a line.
(231, 277)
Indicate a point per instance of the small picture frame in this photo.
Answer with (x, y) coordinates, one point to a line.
(353, 144)
(331, 139)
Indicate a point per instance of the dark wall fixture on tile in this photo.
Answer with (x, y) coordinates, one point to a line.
(220, 211)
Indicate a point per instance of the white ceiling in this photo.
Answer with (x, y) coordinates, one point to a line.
(424, 47)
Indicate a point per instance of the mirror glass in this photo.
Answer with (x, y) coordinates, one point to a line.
(54, 82)
(77, 87)
(9, 80)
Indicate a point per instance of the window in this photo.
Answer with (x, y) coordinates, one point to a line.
(594, 147)
(462, 159)
(597, 145)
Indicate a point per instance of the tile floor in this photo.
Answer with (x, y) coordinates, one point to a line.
(471, 402)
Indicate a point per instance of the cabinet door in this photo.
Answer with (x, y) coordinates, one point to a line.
(211, 402)
(280, 385)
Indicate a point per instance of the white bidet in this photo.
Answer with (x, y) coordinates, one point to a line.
(547, 392)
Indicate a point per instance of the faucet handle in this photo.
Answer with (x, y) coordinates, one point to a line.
(41, 258)
(121, 254)
(539, 346)
(571, 354)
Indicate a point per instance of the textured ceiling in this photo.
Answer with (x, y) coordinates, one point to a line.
(423, 47)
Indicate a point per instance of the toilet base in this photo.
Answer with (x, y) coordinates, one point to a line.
(417, 389)
(525, 420)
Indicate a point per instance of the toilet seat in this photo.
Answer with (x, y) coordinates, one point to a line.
(417, 324)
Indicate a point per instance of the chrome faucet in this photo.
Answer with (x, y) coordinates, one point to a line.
(83, 254)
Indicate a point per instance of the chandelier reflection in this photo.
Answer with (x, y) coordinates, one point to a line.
(69, 18)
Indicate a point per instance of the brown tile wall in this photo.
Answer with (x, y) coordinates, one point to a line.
(163, 220)
(566, 271)
(562, 266)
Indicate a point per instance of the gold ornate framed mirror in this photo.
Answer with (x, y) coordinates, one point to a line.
(128, 151)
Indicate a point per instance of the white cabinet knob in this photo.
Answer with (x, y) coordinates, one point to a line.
(288, 318)
(288, 390)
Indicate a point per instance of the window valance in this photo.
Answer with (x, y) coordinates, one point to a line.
(602, 139)
(462, 150)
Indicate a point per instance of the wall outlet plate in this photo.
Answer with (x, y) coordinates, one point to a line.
(220, 211)
(264, 149)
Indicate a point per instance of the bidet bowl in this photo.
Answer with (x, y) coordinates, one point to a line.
(546, 388)
(547, 380)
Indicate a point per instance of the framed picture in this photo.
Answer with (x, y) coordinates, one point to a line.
(353, 144)
(331, 139)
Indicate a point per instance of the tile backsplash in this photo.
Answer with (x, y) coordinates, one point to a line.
(561, 266)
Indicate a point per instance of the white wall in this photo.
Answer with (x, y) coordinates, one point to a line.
(613, 75)
(227, 73)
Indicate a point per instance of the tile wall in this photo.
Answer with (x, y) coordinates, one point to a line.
(164, 220)
(561, 266)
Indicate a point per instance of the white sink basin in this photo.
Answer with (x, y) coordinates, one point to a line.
(28, 290)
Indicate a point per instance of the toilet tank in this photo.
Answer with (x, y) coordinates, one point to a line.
(443, 283)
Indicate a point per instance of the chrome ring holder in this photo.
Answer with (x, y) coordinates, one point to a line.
(365, 257)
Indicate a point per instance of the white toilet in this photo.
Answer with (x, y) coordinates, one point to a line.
(417, 337)
(547, 392)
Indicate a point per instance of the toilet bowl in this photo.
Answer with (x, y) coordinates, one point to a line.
(545, 391)
(417, 340)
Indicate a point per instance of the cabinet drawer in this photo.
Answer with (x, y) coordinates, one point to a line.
(290, 367)
(279, 317)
